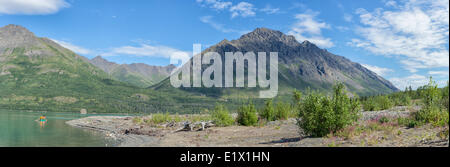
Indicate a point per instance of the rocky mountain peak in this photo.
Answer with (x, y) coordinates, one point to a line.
(307, 43)
(12, 36)
(99, 59)
(263, 34)
(13, 29)
(223, 42)
(268, 35)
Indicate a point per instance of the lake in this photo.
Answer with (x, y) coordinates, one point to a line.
(19, 129)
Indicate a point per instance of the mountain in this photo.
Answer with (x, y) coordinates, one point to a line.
(38, 74)
(301, 66)
(138, 74)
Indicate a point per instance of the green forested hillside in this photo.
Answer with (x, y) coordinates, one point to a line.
(38, 74)
(137, 74)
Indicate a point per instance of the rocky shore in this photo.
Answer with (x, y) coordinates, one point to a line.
(115, 127)
(272, 134)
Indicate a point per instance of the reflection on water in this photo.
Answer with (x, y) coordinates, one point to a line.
(42, 124)
(23, 129)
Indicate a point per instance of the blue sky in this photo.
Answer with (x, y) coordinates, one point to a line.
(404, 41)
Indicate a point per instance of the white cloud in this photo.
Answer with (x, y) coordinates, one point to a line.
(378, 70)
(308, 28)
(417, 32)
(145, 50)
(243, 9)
(391, 3)
(414, 81)
(72, 47)
(32, 7)
(218, 26)
(270, 10)
(215, 4)
(439, 73)
(348, 17)
(342, 28)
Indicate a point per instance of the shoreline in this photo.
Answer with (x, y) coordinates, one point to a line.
(273, 134)
(105, 125)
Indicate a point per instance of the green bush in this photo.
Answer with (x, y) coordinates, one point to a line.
(221, 116)
(383, 120)
(283, 111)
(297, 96)
(445, 93)
(268, 112)
(408, 122)
(401, 99)
(137, 120)
(159, 118)
(432, 112)
(247, 115)
(433, 115)
(369, 105)
(383, 102)
(405, 100)
(319, 115)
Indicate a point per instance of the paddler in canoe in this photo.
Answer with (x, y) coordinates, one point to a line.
(42, 118)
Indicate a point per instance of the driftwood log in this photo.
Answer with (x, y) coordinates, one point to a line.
(198, 126)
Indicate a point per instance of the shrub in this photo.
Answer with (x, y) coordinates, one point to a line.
(383, 102)
(433, 115)
(378, 103)
(159, 118)
(405, 100)
(383, 120)
(445, 96)
(297, 97)
(408, 122)
(268, 113)
(432, 112)
(177, 118)
(346, 110)
(137, 120)
(431, 95)
(221, 116)
(283, 111)
(369, 105)
(247, 115)
(401, 99)
(319, 115)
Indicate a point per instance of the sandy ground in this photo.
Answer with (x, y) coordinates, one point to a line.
(274, 134)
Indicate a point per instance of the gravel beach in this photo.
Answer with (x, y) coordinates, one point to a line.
(274, 134)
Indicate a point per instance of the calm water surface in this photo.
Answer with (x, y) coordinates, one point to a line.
(19, 129)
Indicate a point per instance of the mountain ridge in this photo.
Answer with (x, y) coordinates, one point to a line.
(37, 74)
(138, 74)
(301, 65)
